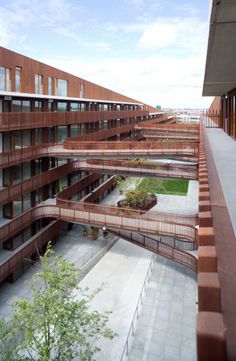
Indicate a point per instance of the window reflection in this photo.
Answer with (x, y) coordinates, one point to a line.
(18, 79)
(5, 79)
(61, 87)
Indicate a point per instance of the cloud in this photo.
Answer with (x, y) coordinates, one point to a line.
(158, 35)
(155, 79)
(180, 33)
(136, 3)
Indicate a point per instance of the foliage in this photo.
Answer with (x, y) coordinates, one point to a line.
(136, 198)
(164, 186)
(122, 183)
(54, 324)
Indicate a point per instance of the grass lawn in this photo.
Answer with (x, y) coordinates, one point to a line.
(164, 186)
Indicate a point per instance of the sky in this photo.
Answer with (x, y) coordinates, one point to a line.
(151, 50)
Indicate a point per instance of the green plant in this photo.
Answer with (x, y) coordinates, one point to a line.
(136, 198)
(53, 325)
(85, 230)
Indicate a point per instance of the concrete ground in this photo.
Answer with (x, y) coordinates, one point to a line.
(166, 329)
(167, 203)
(72, 244)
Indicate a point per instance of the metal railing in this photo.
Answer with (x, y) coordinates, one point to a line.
(29, 120)
(164, 249)
(144, 168)
(129, 339)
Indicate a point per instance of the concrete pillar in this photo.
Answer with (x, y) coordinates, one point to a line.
(207, 259)
(211, 337)
(206, 236)
(209, 296)
(205, 219)
(204, 206)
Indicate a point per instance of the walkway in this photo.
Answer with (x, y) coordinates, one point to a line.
(72, 245)
(166, 329)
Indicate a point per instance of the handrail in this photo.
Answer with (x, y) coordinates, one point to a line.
(158, 246)
(126, 349)
(28, 120)
(147, 168)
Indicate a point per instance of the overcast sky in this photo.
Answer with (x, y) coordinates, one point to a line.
(151, 50)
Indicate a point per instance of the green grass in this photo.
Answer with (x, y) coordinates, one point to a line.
(164, 186)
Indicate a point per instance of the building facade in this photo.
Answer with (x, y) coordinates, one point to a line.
(41, 106)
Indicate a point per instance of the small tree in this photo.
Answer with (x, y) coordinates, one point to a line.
(54, 325)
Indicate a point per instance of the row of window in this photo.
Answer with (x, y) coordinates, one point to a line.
(17, 105)
(60, 85)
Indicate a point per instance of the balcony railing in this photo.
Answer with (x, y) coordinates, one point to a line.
(16, 190)
(14, 121)
(176, 171)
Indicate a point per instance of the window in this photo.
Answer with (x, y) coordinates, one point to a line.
(38, 106)
(49, 86)
(16, 105)
(18, 79)
(38, 84)
(5, 79)
(81, 90)
(26, 106)
(61, 87)
(61, 107)
(20, 105)
(74, 107)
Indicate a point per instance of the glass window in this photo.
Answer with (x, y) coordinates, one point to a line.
(81, 90)
(74, 107)
(38, 136)
(26, 106)
(38, 106)
(49, 106)
(2, 78)
(61, 106)
(0, 105)
(6, 141)
(82, 107)
(18, 79)
(62, 133)
(74, 131)
(5, 79)
(16, 105)
(26, 138)
(17, 174)
(26, 171)
(49, 85)
(61, 87)
(38, 84)
(16, 139)
(6, 177)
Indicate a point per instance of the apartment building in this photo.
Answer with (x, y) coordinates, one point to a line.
(41, 106)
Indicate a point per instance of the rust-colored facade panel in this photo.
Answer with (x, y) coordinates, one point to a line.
(30, 67)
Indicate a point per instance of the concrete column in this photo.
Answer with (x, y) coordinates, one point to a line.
(209, 295)
(207, 259)
(206, 236)
(211, 337)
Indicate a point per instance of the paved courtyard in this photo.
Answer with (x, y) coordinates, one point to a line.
(167, 203)
(166, 329)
